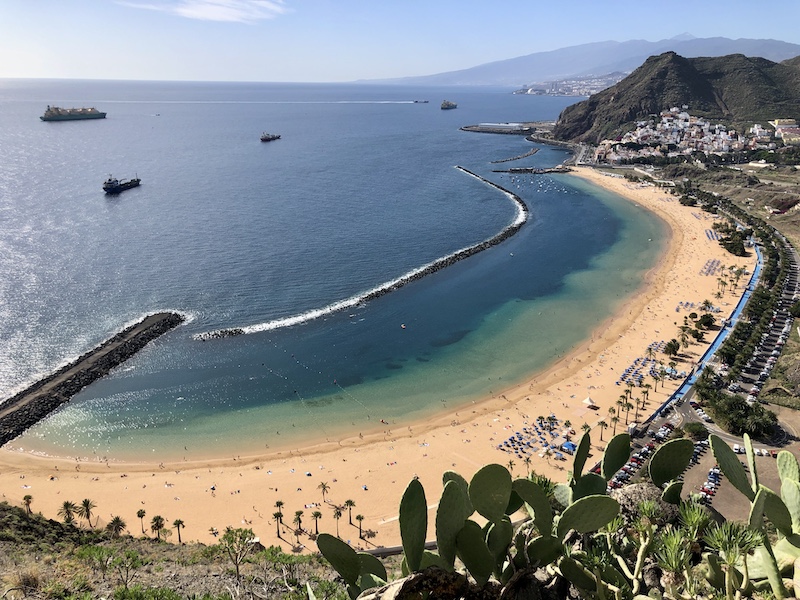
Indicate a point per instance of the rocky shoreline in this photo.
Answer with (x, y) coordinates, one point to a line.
(33, 404)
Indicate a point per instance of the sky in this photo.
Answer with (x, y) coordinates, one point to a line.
(341, 40)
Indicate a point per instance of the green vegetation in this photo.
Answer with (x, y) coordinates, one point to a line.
(41, 558)
(587, 546)
(735, 90)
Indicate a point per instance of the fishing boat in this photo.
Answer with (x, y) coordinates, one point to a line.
(112, 185)
(447, 105)
(269, 137)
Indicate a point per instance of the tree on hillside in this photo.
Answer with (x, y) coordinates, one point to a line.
(141, 514)
(177, 524)
(67, 511)
(237, 544)
(116, 526)
(27, 499)
(157, 524)
(85, 511)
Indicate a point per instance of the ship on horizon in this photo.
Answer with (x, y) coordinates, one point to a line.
(447, 105)
(55, 113)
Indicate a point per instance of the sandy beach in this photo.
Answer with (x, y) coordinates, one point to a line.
(372, 471)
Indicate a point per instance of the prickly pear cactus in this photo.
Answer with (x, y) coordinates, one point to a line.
(413, 523)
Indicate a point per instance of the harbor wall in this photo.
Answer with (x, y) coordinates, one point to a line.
(34, 403)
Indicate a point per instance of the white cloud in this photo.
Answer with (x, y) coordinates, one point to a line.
(231, 11)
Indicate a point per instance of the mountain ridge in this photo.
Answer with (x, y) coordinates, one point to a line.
(596, 58)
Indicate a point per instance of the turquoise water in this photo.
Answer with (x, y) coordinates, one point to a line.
(360, 190)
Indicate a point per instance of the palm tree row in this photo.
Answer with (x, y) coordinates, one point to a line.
(116, 525)
(338, 512)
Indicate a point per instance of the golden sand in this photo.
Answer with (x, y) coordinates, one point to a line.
(373, 471)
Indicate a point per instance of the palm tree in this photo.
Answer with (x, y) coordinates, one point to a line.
(337, 514)
(650, 352)
(67, 511)
(614, 420)
(26, 501)
(278, 516)
(116, 526)
(360, 518)
(603, 425)
(85, 511)
(177, 524)
(511, 466)
(141, 515)
(551, 421)
(298, 519)
(586, 427)
(527, 461)
(349, 505)
(157, 525)
(324, 488)
(628, 406)
(316, 515)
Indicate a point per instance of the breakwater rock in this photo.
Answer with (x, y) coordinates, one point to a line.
(385, 288)
(43, 397)
(534, 170)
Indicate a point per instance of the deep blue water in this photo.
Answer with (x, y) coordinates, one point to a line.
(360, 189)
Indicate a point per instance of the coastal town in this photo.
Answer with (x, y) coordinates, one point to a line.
(676, 133)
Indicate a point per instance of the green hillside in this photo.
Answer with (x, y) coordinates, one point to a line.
(736, 90)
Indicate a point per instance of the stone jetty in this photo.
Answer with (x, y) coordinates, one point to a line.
(33, 404)
(432, 267)
(533, 170)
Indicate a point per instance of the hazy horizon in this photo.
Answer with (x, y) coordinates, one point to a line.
(320, 41)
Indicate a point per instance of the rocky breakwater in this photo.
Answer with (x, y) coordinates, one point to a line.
(43, 397)
(520, 219)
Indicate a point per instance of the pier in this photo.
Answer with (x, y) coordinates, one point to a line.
(533, 170)
(506, 128)
(33, 404)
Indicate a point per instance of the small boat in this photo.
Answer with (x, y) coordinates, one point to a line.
(420, 101)
(447, 105)
(269, 137)
(112, 185)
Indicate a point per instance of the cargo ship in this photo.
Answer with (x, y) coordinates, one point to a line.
(112, 185)
(269, 137)
(54, 113)
(447, 105)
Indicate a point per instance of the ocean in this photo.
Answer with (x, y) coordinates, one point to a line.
(361, 189)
